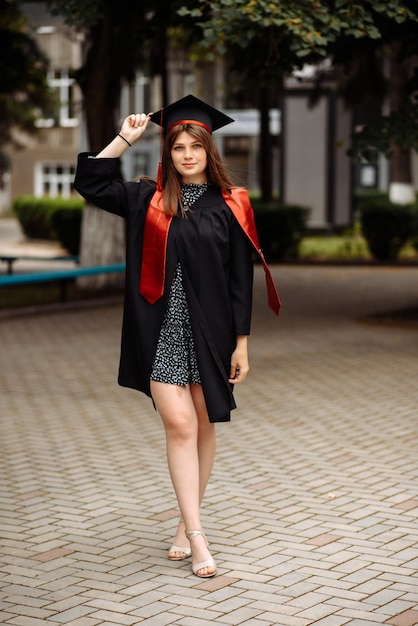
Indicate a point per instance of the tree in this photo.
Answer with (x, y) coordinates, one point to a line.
(119, 37)
(393, 133)
(24, 91)
(269, 40)
(263, 41)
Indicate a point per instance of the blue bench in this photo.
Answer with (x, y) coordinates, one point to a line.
(12, 258)
(61, 276)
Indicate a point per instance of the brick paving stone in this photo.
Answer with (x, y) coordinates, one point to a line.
(195, 621)
(158, 620)
(284, 619)
(23, 620)
(114, 618)
(312, 508)
(313, 613)
(396, 607)
(358, 615)
(332, 620)
(84, 621)
(256, 622)
(362, 622)
(406, 618)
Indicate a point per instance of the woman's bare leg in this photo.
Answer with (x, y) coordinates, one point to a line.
(206, 441)
(180, 416)
(206, 448)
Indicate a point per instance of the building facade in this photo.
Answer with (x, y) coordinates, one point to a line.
(46, 165)
(310, 165)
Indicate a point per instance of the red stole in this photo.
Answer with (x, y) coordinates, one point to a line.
(157, 225)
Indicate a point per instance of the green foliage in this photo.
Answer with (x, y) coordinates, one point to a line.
(280, 229)
(399, 128)
(296, 32)
(369, 195)
(24, 92)
(66, 224)
(347, 247)
(414, 228)
(34, 216)
(386, 227)
(119, 38)
(51, 218)
(79, 14)
(267, 40)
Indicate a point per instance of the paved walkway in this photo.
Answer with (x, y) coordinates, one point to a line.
(313, 505)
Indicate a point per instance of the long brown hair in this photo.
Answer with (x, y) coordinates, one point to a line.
(171, 180)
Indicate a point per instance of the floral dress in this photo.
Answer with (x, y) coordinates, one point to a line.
(175, 359)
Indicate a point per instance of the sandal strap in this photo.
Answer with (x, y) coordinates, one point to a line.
(208, 563)
(191, 534)
(180, 549)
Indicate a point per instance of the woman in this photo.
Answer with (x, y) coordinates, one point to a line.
(188, 296)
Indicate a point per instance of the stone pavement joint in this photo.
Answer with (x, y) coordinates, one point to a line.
(312, 508)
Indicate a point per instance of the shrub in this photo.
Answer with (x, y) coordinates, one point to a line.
(67, 226)
(369, 195)
(280, 229)
(386, 227)
(51, 218)
(414, 227)
(34, 217)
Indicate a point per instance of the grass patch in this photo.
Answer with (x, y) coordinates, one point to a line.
(350, 247)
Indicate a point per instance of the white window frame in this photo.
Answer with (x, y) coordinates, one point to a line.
(61, 84)
(60, 183)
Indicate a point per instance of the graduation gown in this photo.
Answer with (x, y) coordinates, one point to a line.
(217, 270)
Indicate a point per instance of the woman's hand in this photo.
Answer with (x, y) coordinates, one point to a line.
(239, 361)
(134, 126)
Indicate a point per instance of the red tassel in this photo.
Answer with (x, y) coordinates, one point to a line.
(159, 177)
(160, 165)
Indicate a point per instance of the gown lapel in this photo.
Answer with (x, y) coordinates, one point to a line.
(157, 226)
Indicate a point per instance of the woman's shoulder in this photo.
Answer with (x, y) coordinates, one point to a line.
(239, 192)
(237, 195)
(143, 187)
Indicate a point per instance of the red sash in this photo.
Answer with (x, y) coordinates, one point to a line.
(154, 250)
(157, 225)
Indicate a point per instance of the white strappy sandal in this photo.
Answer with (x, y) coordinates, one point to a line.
(196, 567)
(185, 552)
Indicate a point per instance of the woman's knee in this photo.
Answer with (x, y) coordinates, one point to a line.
(176, 408)
(180, 426)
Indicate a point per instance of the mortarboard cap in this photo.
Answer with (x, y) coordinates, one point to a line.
(191, 110)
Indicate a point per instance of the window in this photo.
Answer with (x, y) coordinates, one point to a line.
(136, 96)
(61, 82)
(54, 180)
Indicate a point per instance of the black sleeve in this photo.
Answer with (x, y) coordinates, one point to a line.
(96, 181)
(241, 279)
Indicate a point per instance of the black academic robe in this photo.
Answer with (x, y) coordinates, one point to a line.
(217, 270)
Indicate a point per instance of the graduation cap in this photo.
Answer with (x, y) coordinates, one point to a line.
(191, 110)
(188, 110)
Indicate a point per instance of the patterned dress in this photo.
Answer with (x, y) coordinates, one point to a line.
(175, 359)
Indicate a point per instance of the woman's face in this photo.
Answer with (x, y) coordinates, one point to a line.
(189, 158)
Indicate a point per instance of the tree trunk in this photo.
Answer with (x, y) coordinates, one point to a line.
(401, 189)
(102, 234)
(102, 243)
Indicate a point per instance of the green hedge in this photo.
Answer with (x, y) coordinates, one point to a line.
(414, 228)
(34, 217)
(280, 229)
(385, 226)
(51, 218)
(66, 223)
